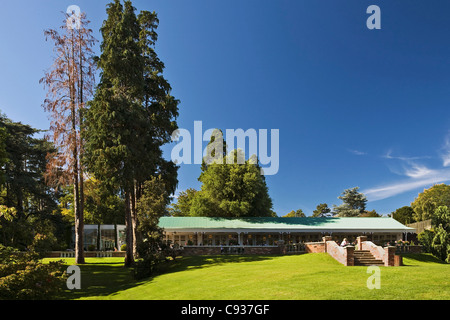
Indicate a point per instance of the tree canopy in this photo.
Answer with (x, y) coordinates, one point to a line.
(404, 215)
(182, 207)
(322, 210)
(230, 188)
(295, 214)
(429, 200)
(27, 204)
(133, 112)
(354, 203)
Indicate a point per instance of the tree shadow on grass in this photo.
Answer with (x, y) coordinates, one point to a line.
(200, 262)
(108, 278)
(422, 258)
(102, 279)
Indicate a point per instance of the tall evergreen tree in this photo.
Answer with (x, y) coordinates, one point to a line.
(354, 203)
(322, 210)
(182, 207)
(132, 114)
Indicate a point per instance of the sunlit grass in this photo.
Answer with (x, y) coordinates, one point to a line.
(308, 276)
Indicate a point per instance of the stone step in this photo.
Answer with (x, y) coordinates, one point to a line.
(369, 260)
(365, 258)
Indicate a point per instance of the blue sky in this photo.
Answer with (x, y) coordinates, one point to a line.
(355, 107)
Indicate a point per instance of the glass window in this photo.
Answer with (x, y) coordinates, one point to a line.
(90, 238)
(107, 239)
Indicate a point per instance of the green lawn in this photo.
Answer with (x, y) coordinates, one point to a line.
(308, 276)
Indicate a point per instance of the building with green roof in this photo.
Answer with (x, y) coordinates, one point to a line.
(268, 231)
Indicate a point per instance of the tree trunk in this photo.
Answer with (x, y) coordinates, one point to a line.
(129, 257)
(99, 236)
(134, 220)
(116, 240)
(80, 112)
(79, 225)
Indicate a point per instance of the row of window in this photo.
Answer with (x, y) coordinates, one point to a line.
(107, 239)
(266, 239)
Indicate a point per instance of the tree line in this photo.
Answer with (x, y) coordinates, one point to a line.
(226, 190)
(432, 204)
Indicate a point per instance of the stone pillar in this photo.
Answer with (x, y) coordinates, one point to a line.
(389, 256)
(398, 260)
(349, 253)
(359, 241)
(325, 239)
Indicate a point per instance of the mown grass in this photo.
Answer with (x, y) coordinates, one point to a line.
(297, 277)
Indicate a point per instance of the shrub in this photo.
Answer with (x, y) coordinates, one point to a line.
(426, 239)
(146, 266)
(42, 244)
(123, 247)
(440, 243)
(24, 277)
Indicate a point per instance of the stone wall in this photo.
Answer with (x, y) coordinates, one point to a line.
(314, 247)
(343, 255)
(409, 249)
(198, 251)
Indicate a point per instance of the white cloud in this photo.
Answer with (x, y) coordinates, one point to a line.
(416, 175)
(389, 155)
(357, 152)
(419, 171)
(420, 180)
(445, 155)
(446, 160)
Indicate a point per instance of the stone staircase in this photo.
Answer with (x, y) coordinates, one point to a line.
(365, 258)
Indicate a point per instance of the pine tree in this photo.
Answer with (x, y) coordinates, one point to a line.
(132, 113)
(322, 210)
(354, 203)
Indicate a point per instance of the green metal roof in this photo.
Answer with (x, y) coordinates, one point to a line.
(283, 224)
